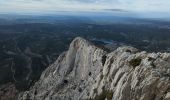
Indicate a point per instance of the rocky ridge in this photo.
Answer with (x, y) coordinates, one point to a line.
(87, 72)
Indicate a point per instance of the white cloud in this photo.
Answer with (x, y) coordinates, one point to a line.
(76, 5)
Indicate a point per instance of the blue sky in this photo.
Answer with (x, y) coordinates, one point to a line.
(34, 6)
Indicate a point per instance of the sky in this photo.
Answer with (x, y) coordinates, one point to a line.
(41, 6)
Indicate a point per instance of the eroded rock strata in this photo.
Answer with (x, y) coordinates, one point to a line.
(86, 72)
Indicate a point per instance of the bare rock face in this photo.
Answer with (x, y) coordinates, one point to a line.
(86, 72)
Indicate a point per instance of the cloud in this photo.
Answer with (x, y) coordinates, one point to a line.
(79, 5)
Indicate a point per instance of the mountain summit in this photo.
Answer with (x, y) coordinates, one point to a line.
(87, 72)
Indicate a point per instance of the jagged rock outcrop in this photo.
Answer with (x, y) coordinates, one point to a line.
(86, 72)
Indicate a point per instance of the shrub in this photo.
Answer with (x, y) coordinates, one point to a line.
(135, 62)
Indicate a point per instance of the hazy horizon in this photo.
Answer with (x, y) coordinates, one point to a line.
(52, 6)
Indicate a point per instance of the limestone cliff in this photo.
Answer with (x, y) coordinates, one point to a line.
(87, 72)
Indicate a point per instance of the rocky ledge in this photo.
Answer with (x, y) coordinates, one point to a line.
(87, 72)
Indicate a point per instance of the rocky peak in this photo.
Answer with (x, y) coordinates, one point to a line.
(86, 72)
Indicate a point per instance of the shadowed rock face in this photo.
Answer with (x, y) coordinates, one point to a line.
(8, 92)
(86, 72)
